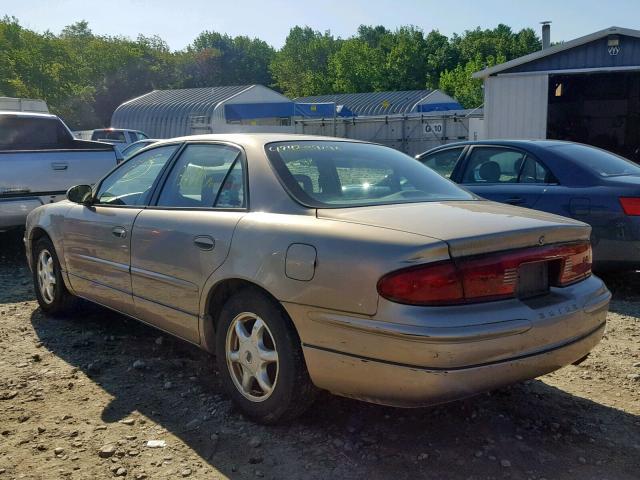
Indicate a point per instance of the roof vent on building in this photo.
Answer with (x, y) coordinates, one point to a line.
(546, 34)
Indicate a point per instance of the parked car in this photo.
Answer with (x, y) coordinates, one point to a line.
(312, 263)
(136, 146)
(39, 160)
(119, 137)
(565, 178)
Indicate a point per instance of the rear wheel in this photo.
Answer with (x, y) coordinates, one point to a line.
(51, 292)
(260, 359)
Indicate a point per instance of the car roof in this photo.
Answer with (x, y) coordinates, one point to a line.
(253, 139)
(17, 113)
(109, 129)
(517, 143)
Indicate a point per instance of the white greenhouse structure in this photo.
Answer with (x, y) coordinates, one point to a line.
(192, 111)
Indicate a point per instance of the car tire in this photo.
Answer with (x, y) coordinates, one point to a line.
(52, 294)
(267, 349)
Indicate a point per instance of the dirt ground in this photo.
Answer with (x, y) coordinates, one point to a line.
(81, 397)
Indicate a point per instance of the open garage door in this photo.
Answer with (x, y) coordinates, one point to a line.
(598, 109)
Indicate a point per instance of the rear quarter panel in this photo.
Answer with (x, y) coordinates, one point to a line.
(351, 258)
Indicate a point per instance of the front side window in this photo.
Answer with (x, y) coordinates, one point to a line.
(203, 177)
(133, 148)
(493, 165)
(443, 161)
(343, 174)
(131, 183)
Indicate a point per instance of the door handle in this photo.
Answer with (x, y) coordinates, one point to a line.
(119, 232)
(59, 165)
(204, 242)
(515, 200)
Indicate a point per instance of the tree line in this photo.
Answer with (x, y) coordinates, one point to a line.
(84, 76)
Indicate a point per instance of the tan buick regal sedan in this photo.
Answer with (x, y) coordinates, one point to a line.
(310, 263)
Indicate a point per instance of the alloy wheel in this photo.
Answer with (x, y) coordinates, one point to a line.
(252, 357)
(46, 276)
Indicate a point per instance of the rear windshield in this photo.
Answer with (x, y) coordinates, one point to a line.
(29, 133)
(347, 174)
(601, 162)
(108, 135)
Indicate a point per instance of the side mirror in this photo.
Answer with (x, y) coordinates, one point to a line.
(80, 194)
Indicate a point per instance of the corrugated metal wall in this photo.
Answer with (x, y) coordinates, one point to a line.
(516, 106)
(412, 134)
(387, 103)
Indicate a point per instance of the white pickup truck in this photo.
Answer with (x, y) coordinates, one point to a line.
(40, 159)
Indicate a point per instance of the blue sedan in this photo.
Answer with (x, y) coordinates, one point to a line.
(569, 179)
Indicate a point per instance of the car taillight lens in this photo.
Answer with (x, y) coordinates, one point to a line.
(576, 264)
(484, 278)
(433, 284)
(630, 205)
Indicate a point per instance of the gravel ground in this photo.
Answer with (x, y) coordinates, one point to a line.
(101, 396)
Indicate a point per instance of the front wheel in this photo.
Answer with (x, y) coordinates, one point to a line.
(260, 359)
(51, 293)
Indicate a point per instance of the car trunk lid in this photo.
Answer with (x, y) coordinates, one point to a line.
(469, 227)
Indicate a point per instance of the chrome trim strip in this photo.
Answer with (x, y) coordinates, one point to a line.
(167, 279)
(123, 267)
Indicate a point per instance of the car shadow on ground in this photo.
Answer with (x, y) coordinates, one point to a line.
(625, 287)
(530, 430)
(14, 273)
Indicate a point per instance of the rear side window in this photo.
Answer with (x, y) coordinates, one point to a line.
(534, 172)
(203, 177)
(329, 174)
(598, 161)
(493, 165)
(443, 161)
(25, 133)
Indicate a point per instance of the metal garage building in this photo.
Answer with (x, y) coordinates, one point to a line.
(191, 111)
(585, 90)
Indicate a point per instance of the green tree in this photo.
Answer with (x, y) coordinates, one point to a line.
(460, 84)
(84, 77)
(301, 67)
(357, 67)
(217, 59)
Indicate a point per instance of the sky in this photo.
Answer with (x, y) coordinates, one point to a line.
(178, 22)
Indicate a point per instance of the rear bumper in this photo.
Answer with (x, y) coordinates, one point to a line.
(14, 211)
(409, 386)
(429, 355)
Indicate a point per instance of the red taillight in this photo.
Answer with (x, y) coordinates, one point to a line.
(433, 284)
(483, 278)
(630, 205)
(576, 265)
